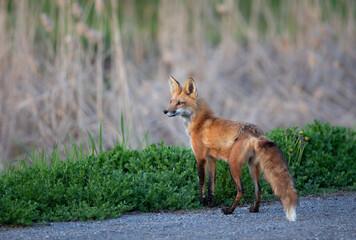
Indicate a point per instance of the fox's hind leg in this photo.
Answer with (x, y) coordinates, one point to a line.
(236, 177)
(237, 159)
(255, 175)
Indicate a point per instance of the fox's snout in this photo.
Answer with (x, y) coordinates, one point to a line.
(170, 113)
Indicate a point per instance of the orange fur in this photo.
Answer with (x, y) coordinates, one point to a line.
(234, 142)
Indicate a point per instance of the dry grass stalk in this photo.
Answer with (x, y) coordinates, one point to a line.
(46, 22)
(99, 6)
(77, 10)
(272, 79)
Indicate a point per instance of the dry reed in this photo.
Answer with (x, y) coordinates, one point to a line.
(61, 77)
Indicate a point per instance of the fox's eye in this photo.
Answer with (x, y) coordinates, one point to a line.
(179, 103)
(170, 101)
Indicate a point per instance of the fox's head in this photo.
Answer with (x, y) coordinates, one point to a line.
(183, 99)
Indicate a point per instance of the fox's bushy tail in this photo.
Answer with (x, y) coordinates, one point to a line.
(277, 174)
(290, 202)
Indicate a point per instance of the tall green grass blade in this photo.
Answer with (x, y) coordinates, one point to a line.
(94, 150)
(80, 152)
(123, 143)
(145, 138)
(88, 148)
(67, 152)
(144, 142)
(25, 147)
(74, 154)
(127, 135)
(55, 156)
(101, 140)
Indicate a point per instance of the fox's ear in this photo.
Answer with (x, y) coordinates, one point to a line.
(190, 88)
(175, 86)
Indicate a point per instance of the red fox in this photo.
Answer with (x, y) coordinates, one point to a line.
(235, 142)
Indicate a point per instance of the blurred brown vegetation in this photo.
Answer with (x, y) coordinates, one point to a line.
(66, 66)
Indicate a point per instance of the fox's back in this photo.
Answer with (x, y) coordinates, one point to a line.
(219, 129)
(219, 135)
(219, 132)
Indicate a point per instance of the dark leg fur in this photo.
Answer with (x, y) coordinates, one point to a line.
(211, 181)
(255, 175)
(201, 173)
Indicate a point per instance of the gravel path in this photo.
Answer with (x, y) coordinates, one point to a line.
(332, 217)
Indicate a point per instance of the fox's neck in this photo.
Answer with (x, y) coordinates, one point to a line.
(201, 113)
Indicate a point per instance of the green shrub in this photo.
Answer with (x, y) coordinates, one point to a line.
(99, 187)
(321, 158)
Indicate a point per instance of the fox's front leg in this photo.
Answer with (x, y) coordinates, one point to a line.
(201, 163)
(211, 181)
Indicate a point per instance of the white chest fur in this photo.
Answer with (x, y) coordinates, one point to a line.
(187, 120)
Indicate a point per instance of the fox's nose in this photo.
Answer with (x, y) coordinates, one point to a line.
(165, 111)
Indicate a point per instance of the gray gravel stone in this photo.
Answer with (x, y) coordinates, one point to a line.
(332, 217)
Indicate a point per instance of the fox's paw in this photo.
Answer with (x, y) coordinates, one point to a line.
(226, 210)
(203, 201)
(254, 209)
(211, 201)
(212, 205)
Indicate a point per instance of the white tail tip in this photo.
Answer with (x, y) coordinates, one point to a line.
(291, 214)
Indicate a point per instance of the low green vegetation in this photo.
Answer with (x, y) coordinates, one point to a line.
(105, 184)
